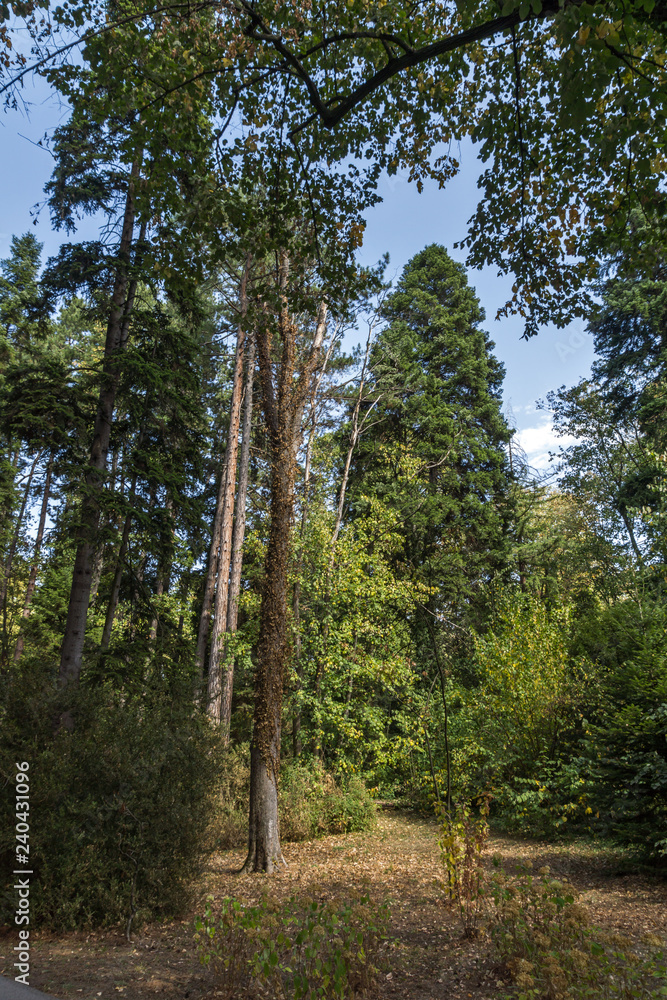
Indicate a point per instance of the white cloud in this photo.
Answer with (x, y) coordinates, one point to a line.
(538, 441)
(521, 407)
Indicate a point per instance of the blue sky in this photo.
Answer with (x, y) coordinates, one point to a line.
(406, 221)
(401, 225)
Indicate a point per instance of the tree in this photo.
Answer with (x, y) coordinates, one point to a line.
(110, 157)
(496, 77)
(356, 661)
(23, 321)
(153, 505)
(284, 396)
(393, 82)
(524, 701)
(630, 339)
(238, 536)
(603, 468)
(438, 389)
(221, 545)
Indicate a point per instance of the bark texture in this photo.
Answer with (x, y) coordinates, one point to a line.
(237, 544)
(227, 518)
(283, 402)
(116, 337)
(264, 851)
(263, 844)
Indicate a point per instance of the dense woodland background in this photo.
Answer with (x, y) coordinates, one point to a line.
(338, 556)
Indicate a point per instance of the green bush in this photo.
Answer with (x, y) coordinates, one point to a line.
(120, 808)
(561, 798)
(231, 810)
(300, 949)
(627, 741)
(311, 802)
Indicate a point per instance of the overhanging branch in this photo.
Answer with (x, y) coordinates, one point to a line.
(331, 116)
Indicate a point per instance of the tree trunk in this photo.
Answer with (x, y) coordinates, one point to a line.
(283, 410)
(116, 337)
(114, 596)
(209, 584)
(117, 579)
(264, 851)
(34, 569)
(98, 566)
(228, 487)
(109, 520)
(263, 839)
(161, 585)
(9, 561)
(631, 535)
(237, 545)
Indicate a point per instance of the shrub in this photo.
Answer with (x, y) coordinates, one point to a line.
(120, 807)
(523, 708)
(628, 743)
(311, 802)
(231, 813)
(462, 841)
(225, 944)
(560, 797)
(543, 937)
(301, 949)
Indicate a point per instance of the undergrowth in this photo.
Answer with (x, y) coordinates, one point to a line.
(543, 936)
(298, 950)
(113, 838)
(311, 802)
(540, 932)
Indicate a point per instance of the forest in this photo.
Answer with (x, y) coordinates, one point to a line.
(276, 576)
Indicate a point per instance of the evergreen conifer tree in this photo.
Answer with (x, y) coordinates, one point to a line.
(439, 410)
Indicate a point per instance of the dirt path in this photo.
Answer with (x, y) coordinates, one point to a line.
(399, 860)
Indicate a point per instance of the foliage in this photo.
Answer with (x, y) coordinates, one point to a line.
(463, 837)
(390, 87)
(443, 570)
(605, 468)
(311, 802)
(562, 797)
(627, 739)
(116, 840)
(302, 949)
(435, 402)
(355, 659)
(627, 327)
(520, 715)
(543, 937)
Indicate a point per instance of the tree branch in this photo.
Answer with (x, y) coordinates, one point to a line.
(330, 117)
